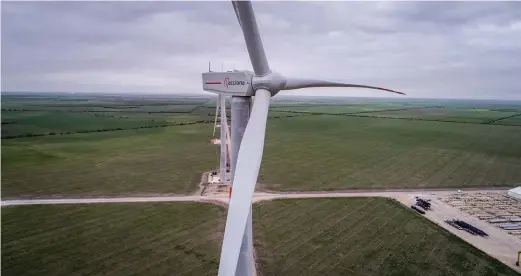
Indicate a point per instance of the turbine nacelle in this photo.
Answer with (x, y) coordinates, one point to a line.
(234, 83)
(245, 83)
(242, 83)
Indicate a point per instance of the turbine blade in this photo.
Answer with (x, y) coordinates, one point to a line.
(244, 180)
(293, 83)
(252, 37)
(236, 12)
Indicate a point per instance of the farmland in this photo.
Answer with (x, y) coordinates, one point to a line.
(344, 152)
(359, 236)
(57, 116)
(82, 152)
(418, 111)
(27, 117)
(144, 161)
(100, 145)
(112, 239)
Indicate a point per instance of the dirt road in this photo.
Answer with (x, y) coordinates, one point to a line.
(98, 200)
(223, 197)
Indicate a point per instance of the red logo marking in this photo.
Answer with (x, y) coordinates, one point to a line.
(226, 82)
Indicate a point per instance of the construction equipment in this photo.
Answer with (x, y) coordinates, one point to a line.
(425, 204)
(418, 209)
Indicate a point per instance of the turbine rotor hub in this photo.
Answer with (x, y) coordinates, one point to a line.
(273, 82)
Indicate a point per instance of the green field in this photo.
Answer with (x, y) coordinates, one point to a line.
(340, 236)
(58, 123)
(367, 153)
(57, 116)
(112, 239)
(415, 111)
(335, 109)
(145, 161)
(515, 121)
(449, 115)
(359, 236)
(23, 117)
(151, 152)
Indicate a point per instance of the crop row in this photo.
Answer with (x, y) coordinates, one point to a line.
(139, 240)
(359, 236)
(364, 154)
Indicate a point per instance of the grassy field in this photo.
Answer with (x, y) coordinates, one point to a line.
(58, 123)
(336, 109)
(58, 116)
(307, 152)
(359, 236)
(515, 121)
(112, 239)
(366, 153)
(449, 114)
(147, 161)
(415, 111)
(22, 117)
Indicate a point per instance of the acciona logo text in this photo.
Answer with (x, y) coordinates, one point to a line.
(233, 82)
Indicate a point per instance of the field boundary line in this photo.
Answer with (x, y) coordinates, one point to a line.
(490, 122)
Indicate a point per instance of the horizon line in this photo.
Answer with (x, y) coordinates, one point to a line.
(212, 94)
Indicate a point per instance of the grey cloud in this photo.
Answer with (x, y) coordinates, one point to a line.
(429, 49)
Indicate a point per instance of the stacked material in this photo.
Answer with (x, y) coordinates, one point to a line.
(515, 193)
(498, 220)
(511, 227)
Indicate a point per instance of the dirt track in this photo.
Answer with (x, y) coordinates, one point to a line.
(223, 197)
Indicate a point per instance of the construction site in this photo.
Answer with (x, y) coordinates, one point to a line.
(477, 217)
(497, 209)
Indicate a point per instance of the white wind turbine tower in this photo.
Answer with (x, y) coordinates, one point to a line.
(248, 132)
(224, 139)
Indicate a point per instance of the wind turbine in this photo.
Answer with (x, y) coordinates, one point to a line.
(225, 138)
(249, 133)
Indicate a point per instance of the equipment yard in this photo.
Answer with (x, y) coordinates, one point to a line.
(498, 209)
(498, 243)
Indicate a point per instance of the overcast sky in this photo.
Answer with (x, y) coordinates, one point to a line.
(426, 49)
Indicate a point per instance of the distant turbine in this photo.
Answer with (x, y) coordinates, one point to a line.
(224, 158)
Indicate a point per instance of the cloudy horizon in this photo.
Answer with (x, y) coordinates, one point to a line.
(426, 49)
